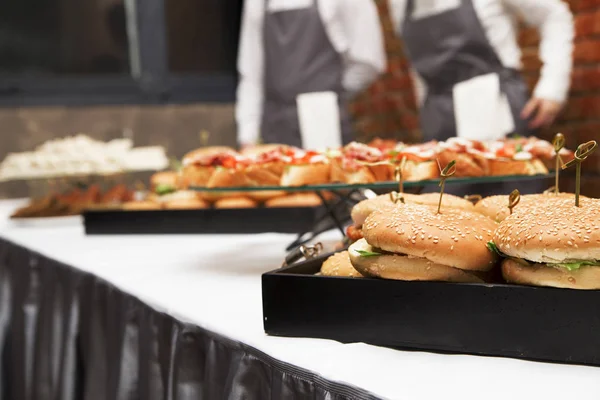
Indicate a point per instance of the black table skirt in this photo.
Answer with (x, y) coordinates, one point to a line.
(67, 334)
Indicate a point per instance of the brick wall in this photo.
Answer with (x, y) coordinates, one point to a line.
(388, 108)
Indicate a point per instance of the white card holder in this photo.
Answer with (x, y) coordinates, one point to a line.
(481, 110)
(319, 116)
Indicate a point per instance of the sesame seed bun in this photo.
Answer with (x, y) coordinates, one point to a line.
(405, 268)
(448, 201)
(454, 238)
(553, 231)
(544, 275)
(496, 207)
(339, 265)
(363, 209)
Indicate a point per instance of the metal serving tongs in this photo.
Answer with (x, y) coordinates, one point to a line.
(303, 251)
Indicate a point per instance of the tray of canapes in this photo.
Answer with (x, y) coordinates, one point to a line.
(508, 275)
(276, 167)
(276, 188)
(169, 209)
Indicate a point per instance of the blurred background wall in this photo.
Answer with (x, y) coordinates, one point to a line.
(81, 43)
(388, 106)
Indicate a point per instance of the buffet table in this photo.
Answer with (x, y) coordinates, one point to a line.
(180, 317)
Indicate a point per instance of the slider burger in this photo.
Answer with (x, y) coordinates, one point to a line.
(419, 161)
(512, 159)
(339, 265)
(415, 243)
(268, 163)
(539, 149)
(359, 163)
(266, 168)
(471, 156)
(199, 165)
(362, 210)
(553, 243)
(306, 168)
(164, 182)
(220, 168)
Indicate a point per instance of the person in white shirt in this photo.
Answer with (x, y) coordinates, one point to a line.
(292, 47)
(452, 41)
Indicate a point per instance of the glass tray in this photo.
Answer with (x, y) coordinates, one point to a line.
(377, 185)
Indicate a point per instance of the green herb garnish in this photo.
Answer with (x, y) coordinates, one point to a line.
(163, 189)
(573, 266)
(519, 148)
(364, 253)
(570, 266)
(493, 248)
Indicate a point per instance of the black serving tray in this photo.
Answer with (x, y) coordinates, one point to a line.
(534, 323)
(212, 221)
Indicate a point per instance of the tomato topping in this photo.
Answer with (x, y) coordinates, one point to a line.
(354, 233)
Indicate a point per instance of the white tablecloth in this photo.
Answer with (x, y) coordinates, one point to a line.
(215, 282)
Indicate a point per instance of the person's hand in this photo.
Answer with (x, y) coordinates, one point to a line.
(542, 112)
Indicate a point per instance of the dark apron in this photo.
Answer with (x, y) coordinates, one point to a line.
(448, 48)
(299, 58)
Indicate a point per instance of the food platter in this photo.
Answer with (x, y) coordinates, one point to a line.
(391, 185)
(202, 221)
(510, 276)
(502, 320)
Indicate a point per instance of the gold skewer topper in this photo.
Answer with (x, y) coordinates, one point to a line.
(559, 144)
(582, 152)
(204, 136)
(399, 177)
(445, 174)
(513, 199)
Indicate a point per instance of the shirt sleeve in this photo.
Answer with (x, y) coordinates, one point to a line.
(251, 71)
(365, 57)
(555, 23)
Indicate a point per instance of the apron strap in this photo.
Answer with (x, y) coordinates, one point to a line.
(410, 7)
